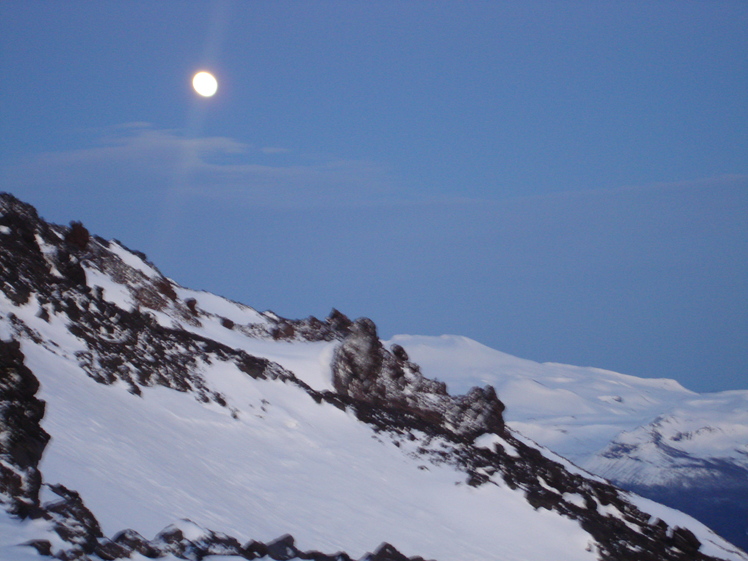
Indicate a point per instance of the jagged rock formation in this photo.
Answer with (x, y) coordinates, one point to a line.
(127, 342)
(365, 371)
(335, 327)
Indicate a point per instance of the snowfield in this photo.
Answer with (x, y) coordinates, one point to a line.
(281, 464)
(285, 465)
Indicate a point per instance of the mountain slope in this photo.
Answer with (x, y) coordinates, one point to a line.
(651, 436)
(200, 424)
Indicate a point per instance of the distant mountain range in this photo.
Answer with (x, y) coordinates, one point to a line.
(141, 419)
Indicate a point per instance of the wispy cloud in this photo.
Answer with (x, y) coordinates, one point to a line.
(136, 157)
(275, 150)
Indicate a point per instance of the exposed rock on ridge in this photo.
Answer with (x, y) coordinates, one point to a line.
(365, 371)
(22, 440)
(48, 263)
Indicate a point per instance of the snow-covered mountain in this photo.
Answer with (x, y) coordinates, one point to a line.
(141, 419)
(651, 436)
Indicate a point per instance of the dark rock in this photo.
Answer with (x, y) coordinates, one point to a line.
(318, 556)
(358, 363)
(173, 541)
(282, 548)
(72, 520)
(477, 412)
(365, 371)
(69, 265)
(254, 549)
(216, 544)
(133, 541)
(78, 236)
(22, 262)
(109, 550)
(24, 440)
(335, 327)
(284, 330)
(685, 540)
(43, 547)
(386, 552)
(400, 353)
(72, 554)
(339, 323)
(43, 313)
(167, 289)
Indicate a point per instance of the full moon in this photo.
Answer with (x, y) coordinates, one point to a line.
(205, 84)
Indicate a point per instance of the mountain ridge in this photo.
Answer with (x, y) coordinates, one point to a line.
(651, 436)
(108, 335)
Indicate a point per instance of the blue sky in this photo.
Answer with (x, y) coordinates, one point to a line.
(563, 181)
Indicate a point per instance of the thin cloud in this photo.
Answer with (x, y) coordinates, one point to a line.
(275, 150)
(135, 157)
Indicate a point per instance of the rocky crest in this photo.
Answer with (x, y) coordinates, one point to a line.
(365, 371)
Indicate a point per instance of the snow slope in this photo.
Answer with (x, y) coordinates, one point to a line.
(650, 435)
(162, 415)
(287, 464)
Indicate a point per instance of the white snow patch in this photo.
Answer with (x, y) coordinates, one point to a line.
(14, 533)
(575, 499)
(114, 292)
(490, 440)
(133, 260)
(220, 306)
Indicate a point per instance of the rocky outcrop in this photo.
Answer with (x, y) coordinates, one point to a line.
(73, 522)
(124, 544)
(335, 327)
(22, 440)
(23, 260)
(478, 411)
(364, 370)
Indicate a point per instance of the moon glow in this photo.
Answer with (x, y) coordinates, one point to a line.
(205, 84)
